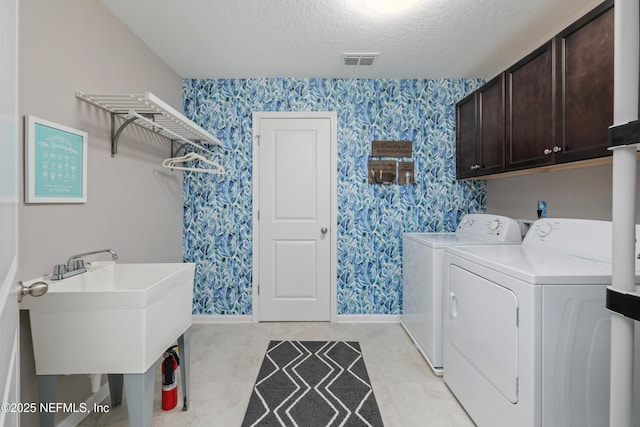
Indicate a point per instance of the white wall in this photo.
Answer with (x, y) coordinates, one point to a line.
(134, 205)
(578, 193)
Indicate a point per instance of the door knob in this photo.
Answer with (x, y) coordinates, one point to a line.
(324, 230)
(35, 290)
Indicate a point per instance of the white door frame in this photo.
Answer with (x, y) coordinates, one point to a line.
(255, 177)
(9, 218)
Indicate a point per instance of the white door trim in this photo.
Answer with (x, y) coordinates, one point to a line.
(9, 216)
(255, 259)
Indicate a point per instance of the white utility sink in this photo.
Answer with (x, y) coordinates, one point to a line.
(115, 318)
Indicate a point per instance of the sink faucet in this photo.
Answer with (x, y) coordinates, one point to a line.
(75, 264)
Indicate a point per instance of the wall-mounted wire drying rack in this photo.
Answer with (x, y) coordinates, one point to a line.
(150, 112)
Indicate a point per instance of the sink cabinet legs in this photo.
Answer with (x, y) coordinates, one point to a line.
(139, 389)
(48, 388)
(116, 382)
(184, 348)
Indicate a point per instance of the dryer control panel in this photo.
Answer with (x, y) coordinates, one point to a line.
(543, 229)
(579, 237)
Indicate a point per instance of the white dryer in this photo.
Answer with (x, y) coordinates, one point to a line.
(526, 328)
(422, 276)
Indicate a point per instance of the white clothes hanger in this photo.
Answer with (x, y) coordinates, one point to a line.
(174, 162)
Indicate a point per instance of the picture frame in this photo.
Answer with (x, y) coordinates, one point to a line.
(55, 162)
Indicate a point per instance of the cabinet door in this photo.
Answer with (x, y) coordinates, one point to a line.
(530, 121)
(491, 132)
(585, 86)
(466, 137)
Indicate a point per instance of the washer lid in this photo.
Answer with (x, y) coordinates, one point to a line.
(442, 240)
(537, 266)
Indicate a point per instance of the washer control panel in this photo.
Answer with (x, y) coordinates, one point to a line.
(492, 227)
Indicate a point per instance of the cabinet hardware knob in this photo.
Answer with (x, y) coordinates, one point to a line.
(557, 149)
(324, 230)
(547, 151)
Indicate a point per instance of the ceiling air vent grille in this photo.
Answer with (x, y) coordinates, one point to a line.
(364, 59)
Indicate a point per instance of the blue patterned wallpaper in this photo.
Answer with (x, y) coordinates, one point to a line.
(371, 218)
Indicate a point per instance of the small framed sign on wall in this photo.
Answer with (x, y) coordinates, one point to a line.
(55, 162)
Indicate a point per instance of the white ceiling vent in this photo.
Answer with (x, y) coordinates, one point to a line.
(365, 59)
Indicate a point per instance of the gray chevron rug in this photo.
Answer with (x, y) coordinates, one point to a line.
(312, 384)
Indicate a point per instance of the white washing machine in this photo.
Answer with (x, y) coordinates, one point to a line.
(422, 275)
(526, 328)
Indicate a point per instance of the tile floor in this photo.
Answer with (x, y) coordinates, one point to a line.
(226, 358)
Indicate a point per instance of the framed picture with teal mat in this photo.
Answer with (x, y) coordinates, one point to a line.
(55, 162)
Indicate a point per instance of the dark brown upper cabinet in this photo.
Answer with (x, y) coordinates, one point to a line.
(491, 134)
(553, 106)
(480, 131)
(584, 95)
(530, 110)
(466, 136)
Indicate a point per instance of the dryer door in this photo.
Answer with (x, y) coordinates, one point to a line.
(483, 327)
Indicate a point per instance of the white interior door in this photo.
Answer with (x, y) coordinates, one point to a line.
(9, 148)
(295, 220)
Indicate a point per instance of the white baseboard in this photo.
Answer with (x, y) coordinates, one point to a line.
(221, 318)
(340, 318)
(76, 418)
(368, 318)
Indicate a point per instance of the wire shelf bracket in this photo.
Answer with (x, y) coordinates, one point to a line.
(150, 112)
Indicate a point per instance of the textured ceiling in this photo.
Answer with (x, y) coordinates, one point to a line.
(307, 38)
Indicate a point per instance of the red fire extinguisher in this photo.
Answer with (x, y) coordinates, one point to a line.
(170, 365)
